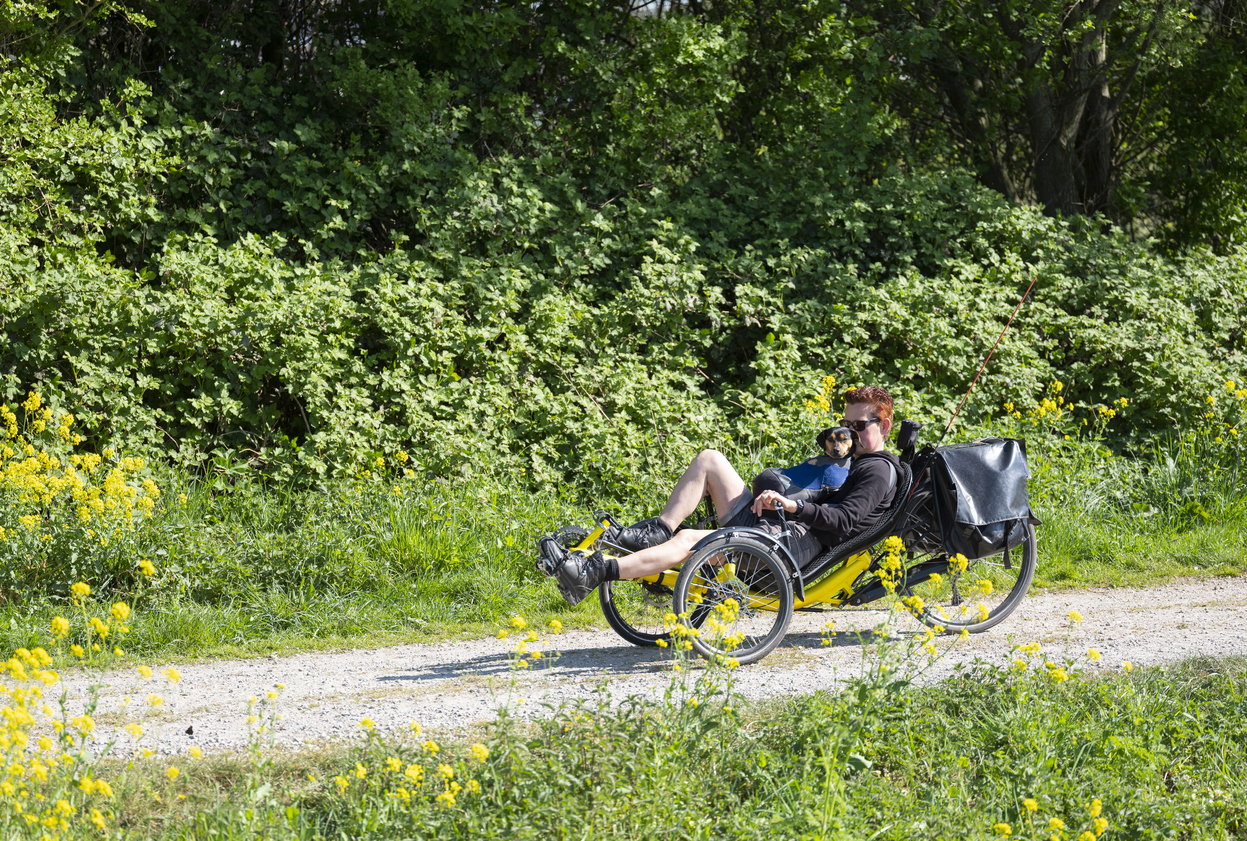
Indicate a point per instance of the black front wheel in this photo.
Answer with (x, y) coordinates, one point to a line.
(636, 610)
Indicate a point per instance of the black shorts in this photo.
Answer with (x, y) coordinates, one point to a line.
(803, 545)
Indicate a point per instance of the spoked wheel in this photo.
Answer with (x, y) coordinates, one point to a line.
(635, 609)
(738, 597)
(981, 596)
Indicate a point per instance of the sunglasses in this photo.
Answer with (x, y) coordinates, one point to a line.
(859, 425)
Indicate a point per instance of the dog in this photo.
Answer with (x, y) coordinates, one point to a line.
(816, 476)
(837, 442)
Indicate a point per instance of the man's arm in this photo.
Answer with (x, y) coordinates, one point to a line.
(870, 484)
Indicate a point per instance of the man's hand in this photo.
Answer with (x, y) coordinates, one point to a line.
(766, 501)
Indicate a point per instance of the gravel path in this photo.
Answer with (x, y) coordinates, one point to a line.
(448, 687)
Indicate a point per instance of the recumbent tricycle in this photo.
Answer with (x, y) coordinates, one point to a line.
(957, 546)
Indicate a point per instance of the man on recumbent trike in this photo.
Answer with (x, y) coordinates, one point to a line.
(825, 517)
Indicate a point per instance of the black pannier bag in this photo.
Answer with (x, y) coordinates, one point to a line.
(969, 499)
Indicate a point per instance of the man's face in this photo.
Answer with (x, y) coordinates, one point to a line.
(875, 435)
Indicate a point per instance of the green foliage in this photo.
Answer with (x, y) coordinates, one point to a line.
(551, 238)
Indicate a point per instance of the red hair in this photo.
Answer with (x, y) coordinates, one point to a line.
(874, 396)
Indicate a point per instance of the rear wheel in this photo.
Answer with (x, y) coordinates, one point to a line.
(635, 609)
(982, 595)
(737, 596)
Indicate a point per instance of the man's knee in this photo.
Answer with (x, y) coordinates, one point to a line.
(711, 460)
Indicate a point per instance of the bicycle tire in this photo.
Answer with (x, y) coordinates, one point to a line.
(636, 610)
(759, 583)
(946, 608)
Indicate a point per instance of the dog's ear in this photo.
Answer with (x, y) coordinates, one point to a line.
(823, 436)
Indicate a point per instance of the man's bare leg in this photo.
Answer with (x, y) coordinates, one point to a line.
(710, 473)
(663, 556)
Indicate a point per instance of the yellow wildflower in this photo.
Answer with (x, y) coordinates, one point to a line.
(60, 626)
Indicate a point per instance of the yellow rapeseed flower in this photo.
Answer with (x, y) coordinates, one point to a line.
(81, 589)
(172, 675)
(1002, 829)
(120, 611)
(1093, 654)
(1030, 804)
(1127, 666)
(195, 752)
(1095, 808)
(146, 568)
(77, 651)
(368, 724)
(154, 700)
(556, 626)
(60, 626)
(518, 623)
(1075, 617)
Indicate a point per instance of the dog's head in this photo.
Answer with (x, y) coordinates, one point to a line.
(836, 442)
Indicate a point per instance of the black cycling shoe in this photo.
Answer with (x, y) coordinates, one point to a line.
(551, 554)
(579, 575)
(643, 535)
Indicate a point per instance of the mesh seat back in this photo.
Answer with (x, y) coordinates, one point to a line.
(881, 529)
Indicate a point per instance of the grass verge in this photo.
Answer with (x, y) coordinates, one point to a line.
(1014, 750)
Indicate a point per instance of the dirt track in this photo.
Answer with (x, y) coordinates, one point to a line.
(450, 686)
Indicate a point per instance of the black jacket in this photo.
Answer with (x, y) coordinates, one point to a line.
(835, 516)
